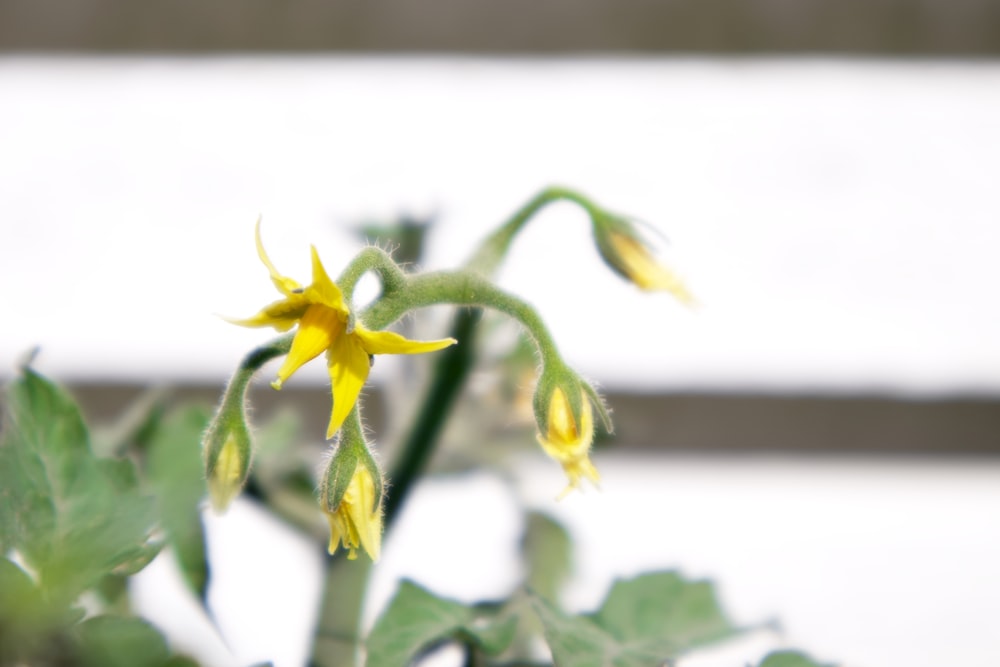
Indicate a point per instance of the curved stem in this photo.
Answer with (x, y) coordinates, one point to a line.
(372, 259)
(460, 289)
(487, 259)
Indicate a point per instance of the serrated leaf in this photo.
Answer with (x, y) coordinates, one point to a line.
(175, 470)
(643, 622)
(579, 642)
(665, 606)
(418, 620)
(790, 659)
(111, 641)
(72, 516)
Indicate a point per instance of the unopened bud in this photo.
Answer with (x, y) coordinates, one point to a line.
(351, 496)
(629, 254)
(564, 412)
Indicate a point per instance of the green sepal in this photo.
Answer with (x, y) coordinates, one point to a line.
(352, 450)
(602, 408)
(558, 376)
(226, 440)
(337, 477)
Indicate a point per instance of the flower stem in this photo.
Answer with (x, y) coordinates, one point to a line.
(372, 259)
(491, 252)
(461, 289)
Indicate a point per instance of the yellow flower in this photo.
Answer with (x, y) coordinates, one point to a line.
(357, 520)
(322, 316)
(568, 442)
(626, 253)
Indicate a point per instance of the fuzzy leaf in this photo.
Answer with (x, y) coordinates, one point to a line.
(643, 622)
(175, 470)
(418, 620)
(578, 641)
(663, 605)
(72, 516)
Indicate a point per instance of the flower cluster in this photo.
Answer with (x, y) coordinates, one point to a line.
(325, 325)
(351, 490)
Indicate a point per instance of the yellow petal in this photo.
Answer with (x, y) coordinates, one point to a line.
(282, 315)
(365, 514)
(389, 342)
(348, 364)
(562, 426)
(568, 442)
(319, 328)
(357, 521)
(323, 290)
(575, 472)
(566, 436)
(286, 286)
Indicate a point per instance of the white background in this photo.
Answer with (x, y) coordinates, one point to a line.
(838, 221)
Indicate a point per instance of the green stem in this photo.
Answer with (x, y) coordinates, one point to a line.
(336, 640)
(230, 415)
(460, 289)
(372, 259)
(491, 252)
(253, 363)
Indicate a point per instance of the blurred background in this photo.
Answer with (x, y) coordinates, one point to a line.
(820, 435)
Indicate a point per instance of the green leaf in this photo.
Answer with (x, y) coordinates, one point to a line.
(663, 605)
(183, 661)
(175, 470)
(643, 622)
(417, 621)
(73, 517)
(547, 552)
(790, 659)
(111, 641)
(25, 618)
(578, 641)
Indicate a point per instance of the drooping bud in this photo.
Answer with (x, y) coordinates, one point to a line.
(629, 254)
(350, 495)
(227, 449)
(227, 446)
(564, 413)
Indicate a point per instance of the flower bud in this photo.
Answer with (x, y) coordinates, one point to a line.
(629, 255)
(351, 498)
(227, 449)
(565, 416)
